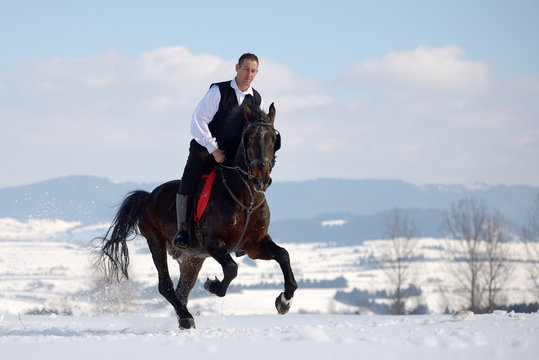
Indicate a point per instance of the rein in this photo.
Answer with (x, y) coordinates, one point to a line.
(249, 209)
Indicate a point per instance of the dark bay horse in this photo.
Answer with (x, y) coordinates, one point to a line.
(236, 220)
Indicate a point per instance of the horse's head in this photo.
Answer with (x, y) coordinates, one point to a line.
(260, 142)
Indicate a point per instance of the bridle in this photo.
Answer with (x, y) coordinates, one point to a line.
(261, 160)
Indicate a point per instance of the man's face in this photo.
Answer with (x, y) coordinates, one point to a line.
(246, 73)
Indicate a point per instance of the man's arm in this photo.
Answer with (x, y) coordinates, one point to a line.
(202, 116)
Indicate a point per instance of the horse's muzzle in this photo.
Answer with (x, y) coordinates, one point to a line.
(261, 169)
(262, 183)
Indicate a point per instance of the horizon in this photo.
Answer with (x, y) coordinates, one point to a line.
(467, 185)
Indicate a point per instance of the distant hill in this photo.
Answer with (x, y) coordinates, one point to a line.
(352, 229)
(87, 199)
(298, 209)
(307, 199)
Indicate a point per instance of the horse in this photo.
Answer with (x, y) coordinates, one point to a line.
(236, 220)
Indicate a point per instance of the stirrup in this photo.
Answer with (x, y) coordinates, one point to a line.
(181, 239)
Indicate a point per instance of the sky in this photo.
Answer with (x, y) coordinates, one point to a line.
(428, 92)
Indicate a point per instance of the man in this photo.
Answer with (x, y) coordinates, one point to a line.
(207, 128)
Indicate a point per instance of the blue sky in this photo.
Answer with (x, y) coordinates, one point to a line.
(423, 91)
(316, 37)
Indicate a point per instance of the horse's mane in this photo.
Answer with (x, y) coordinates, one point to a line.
(235, 123)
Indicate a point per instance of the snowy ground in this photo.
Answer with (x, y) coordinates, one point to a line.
(56, 274)
(496, 336)
(48, 266)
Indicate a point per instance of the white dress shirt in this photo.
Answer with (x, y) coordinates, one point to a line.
(206, 110)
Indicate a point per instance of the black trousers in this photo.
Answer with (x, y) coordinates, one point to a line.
(198, 163)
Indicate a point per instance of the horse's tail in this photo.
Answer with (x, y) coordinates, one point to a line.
(114, 255)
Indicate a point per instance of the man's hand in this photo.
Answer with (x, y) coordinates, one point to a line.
(219, 156)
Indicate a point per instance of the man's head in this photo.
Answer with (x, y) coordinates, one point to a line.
(246, 70)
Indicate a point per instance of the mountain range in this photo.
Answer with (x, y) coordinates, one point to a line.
(316, 210)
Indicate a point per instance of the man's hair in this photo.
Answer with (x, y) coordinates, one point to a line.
(247, 56)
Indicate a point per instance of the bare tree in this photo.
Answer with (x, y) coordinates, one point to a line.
(403, 235)
(477, 241)
(531, 237)
(465, 222)
(497, 269)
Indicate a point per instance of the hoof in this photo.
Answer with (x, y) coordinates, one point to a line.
(208, 284)
(282, 305)
(187, 323)
(214, 286)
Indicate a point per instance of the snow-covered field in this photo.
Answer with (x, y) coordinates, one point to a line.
(495, 336)
(57, 274)
(47, 267)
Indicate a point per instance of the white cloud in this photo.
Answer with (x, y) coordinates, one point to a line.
(119, 116)
(444, 68)
(440, 118)
(288, 89)
(455, 125)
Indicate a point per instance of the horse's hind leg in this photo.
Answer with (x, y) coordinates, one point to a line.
(230, 269)
(166, 287)
(269, 250)
(189, 269)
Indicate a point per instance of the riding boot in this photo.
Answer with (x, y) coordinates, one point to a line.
(184, 205)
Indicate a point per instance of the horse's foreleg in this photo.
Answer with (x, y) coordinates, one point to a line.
(219, 252)
(270, 250)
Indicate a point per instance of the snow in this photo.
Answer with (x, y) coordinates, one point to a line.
(339, 222)
(58, 275)
(34, 228)
(495, 336)
(47, 265)
(39, 229)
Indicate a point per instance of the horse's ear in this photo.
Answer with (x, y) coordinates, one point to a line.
(246, 112)
(271, 113)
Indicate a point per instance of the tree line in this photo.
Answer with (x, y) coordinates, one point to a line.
(477, 241)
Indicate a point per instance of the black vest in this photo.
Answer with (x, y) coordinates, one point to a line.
(228, 133)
